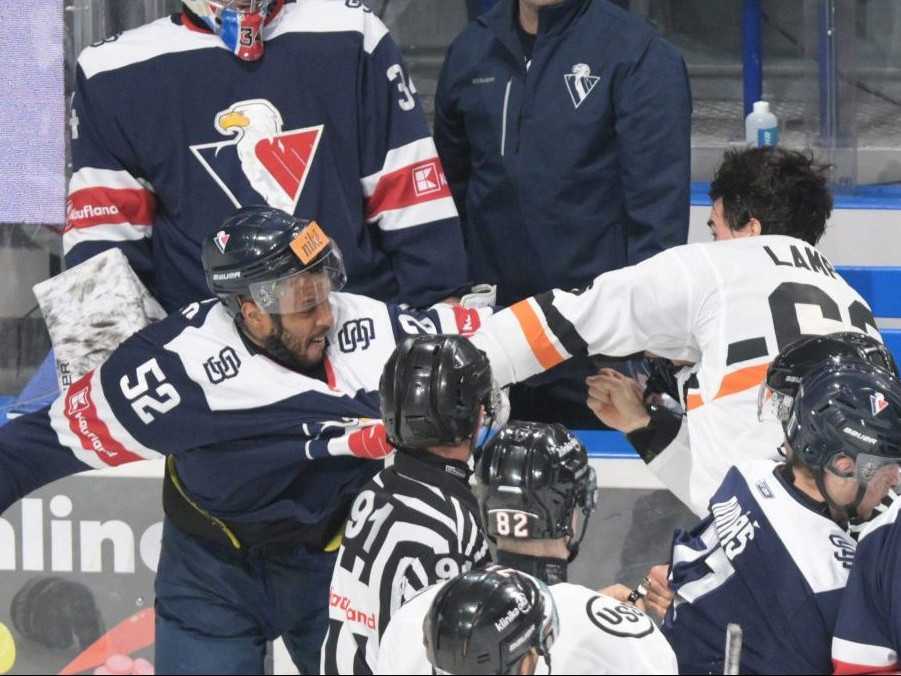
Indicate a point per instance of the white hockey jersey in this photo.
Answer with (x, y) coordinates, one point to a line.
(598, 635)
(728, 307)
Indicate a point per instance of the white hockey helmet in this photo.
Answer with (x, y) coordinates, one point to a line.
(238, 22)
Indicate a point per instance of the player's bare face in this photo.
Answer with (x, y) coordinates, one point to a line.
(303, 333)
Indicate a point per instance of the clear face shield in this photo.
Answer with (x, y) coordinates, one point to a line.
(773, 405)
(304, 290)
(875, 477)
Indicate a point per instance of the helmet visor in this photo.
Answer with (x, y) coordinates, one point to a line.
(304, 290)
(877, 470)
(773, 405)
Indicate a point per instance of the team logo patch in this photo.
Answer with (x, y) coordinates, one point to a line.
(223, 367)
(580, 82)
(356, 333)
(261, 158)
(621, 620)
(222, 238)
(878, 403)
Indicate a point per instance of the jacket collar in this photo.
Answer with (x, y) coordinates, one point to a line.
(503, 17)
(451, 476)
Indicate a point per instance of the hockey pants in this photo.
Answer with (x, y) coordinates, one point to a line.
(215, 609)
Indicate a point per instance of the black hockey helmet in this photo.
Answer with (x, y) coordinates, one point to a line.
(800, 357)
(486, 621)
(261, 253)
(846, 407)
(533, 477)
(432, 389)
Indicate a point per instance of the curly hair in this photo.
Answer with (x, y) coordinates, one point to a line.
(784, 189)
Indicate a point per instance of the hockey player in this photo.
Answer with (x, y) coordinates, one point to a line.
(179, 122)
(727, 307)
(491, 621)
(265, 403)
(867, 636)
(652, 420)
(416, 522)
(773, 555)
(536, 492)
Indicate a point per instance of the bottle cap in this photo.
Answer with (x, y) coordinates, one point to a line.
(761, 107)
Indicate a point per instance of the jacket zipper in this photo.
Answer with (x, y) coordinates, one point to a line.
(504, 118)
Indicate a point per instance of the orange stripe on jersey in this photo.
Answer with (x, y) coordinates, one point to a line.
(693, 401)
(743, 379)
(542, 347)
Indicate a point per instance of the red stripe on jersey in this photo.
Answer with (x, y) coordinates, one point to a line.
(102, 206)
(839, 667)
(468, 320)
(414, 184)
(91, 431)
(330, 379)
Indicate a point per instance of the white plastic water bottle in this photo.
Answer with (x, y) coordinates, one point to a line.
(761, 126)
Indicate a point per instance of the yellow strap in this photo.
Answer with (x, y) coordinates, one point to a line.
(170, 467)
(335, 542)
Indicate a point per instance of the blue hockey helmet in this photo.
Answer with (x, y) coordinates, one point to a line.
(284, 264)
(847, 408)
(238, 22)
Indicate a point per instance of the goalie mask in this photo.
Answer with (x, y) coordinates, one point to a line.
(239, 23)
(535, 483)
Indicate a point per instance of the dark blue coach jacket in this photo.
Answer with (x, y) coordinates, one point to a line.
(574, 165)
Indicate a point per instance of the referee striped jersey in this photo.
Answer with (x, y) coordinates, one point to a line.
(414, 524)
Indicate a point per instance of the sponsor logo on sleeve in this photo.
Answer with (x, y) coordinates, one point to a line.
(86, 425)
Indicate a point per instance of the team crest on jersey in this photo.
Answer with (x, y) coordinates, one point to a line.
(878, 403)
(580, 82)
(222, 238)
(259, 155)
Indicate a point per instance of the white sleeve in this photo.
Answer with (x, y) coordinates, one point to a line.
(653, 306)
(401, 650)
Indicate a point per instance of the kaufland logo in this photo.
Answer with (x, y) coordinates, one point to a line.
(427, 178)
(79, 401)
(78, 404)
(90, 211)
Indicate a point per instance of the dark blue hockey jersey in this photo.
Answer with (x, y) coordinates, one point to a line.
(767, 560)
(171, 133)
(253, 441)
(868, 630)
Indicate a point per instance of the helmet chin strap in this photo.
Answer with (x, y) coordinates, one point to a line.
(849, 511)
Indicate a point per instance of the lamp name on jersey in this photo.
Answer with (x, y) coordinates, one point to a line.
(811, 259)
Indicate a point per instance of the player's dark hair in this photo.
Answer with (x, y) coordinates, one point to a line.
(784, 189)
